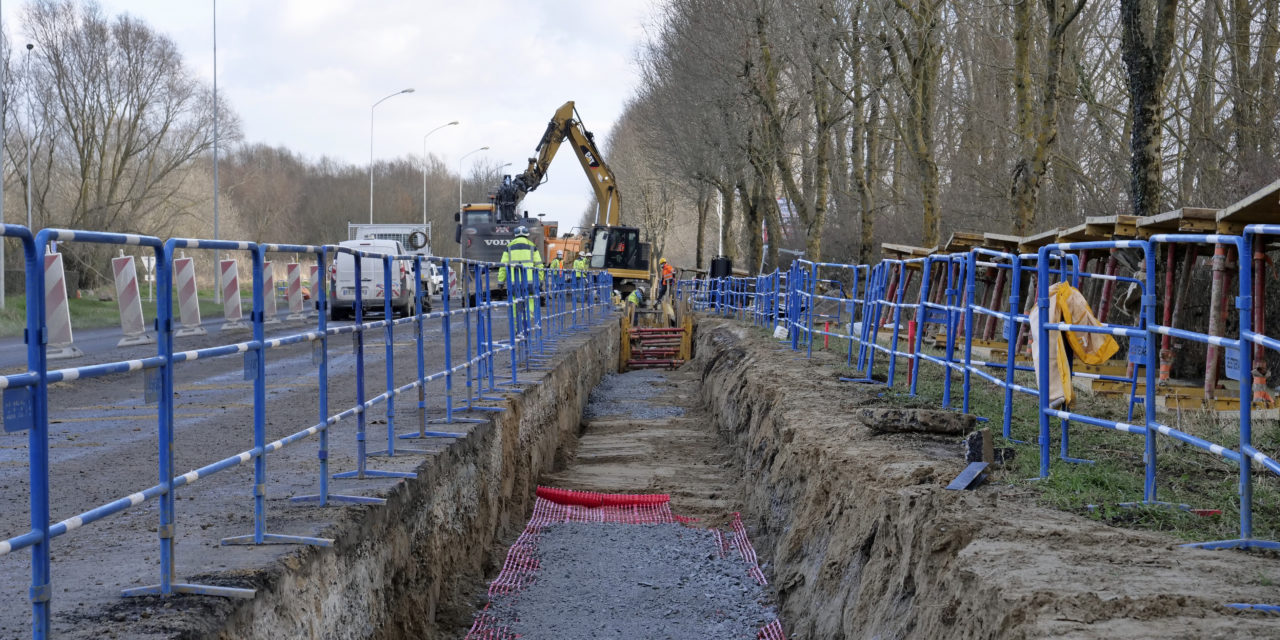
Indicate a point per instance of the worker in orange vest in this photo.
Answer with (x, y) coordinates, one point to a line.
(667, 278)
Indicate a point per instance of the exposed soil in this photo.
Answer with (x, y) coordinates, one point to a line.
(645, 432)
(866, 542)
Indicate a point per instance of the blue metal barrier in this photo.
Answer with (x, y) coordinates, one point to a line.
(26, 408)
(1012, 319)
(1247, 454)
(947, 313)
(27, 394)
(1044, 327)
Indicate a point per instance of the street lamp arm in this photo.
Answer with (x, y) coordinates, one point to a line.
(409, 90)
(424, 168)
(375, 105)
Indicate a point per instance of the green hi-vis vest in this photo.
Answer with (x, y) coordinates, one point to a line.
(580, 266)
(521, 251)
(555, 263)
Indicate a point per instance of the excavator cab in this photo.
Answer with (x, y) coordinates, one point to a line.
(618, 248)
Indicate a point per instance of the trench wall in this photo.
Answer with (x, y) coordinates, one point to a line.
(862, 541)
(409, 568)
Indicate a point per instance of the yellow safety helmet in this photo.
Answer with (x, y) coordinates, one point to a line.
(662, 261)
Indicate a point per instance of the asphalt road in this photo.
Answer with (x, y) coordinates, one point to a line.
(103, 446)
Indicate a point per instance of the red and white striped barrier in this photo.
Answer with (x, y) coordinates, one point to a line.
(294, 293)
(57, 313)
(269, 295)
(231, 297)
(184, 270)
(315, 286)
(132, 322)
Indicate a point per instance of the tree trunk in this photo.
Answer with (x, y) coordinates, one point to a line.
(1146, 47)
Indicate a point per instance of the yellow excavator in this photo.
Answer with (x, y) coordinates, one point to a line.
(614, 247)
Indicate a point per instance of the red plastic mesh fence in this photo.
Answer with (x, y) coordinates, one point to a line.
(554, 506)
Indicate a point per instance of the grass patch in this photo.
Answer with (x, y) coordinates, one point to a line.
(89, 313)
(1185, 475)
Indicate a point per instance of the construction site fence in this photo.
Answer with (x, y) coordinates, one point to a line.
(973, 307)
(541, 307)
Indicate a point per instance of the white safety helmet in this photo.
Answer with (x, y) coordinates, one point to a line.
(522, 231)
(560, 253)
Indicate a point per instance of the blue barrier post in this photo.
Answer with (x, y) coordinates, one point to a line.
(362, 470)
(813, 288)
(26, 395)
(323, 497)
(450, 369)
(259, 365)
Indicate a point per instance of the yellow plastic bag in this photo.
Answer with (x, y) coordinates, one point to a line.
(1068, 305)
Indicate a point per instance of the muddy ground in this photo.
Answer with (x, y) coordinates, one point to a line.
(864, 542)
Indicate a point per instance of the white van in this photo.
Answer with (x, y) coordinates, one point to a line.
(412, 237)
(342, 297)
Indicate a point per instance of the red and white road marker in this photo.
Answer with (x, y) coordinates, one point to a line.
(294, 293)
(315, 286)
(132, 322)
(231, 297)
(184, 273)
(57, 313)
(269, 309)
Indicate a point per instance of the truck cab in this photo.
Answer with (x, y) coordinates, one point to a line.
(483, 234)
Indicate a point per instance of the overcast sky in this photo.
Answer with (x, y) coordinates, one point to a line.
(304, 73)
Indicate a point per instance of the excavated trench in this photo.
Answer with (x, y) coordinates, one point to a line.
(863, 540)
(853, 529)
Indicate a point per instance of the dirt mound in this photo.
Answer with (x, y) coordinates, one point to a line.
(866, 543)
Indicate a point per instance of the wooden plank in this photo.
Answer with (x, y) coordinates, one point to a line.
(895, 251)
(1031, 244)
(1000, 242)
(962, 241)
(1102, 225)
(1260, 207)
(1081, 233)
(1184, 220)
(1116, 226)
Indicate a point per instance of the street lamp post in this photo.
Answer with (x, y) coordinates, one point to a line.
(3, 136)
(217, 254)
(424, 168)
(31, 133)
(375, 105)
(462, 241)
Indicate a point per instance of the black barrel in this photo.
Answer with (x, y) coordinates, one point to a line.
(721, 267)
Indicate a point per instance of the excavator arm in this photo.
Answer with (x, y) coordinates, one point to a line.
(565, 125)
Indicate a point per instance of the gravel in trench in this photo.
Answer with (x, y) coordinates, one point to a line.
(621, 395)
(634, 581)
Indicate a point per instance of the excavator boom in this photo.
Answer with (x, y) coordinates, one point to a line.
(565, 125)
